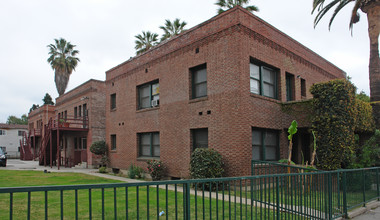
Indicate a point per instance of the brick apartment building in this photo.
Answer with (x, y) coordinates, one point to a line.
(67, 129)
(220, 85)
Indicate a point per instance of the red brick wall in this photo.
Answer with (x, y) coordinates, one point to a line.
(226, 44)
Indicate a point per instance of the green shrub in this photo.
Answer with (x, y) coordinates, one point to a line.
(334, 109)
(135, 172)
(369, 155)
(206, 163)
(103, 170)
(155, 169)
(99, 148)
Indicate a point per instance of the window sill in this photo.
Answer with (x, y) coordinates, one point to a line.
(200, 99)
(147, 158)
(113, 110)
(147, 109)
(113, 151)
(265, 98)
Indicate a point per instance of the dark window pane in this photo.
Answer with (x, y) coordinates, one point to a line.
(113, 142)
(200, 138)
(200, 90)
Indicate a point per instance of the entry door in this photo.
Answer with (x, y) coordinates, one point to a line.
(84, 150)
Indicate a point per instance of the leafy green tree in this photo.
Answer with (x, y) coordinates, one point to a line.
(48, 100)
(172, 29)
(63, 61)
(18, 121)
(362, 96)
(228, 4)
(145, 41)
(34, 107)
(372, 9)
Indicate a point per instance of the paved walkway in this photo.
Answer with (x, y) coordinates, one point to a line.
(372, 211)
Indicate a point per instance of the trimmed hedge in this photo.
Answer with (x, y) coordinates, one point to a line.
(334, 109)
(206, 163)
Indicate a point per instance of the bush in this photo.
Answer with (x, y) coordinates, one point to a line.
(206, 163)
(369, 155)
(155, 169)
(99, 148)
(103, 170)
(135, 172)
(334, 107)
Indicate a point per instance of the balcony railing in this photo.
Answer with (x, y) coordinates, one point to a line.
(71, 122)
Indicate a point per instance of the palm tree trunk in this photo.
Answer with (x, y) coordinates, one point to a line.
(61, 80)
(373, 15)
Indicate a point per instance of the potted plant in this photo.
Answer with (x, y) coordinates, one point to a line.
(63, 123)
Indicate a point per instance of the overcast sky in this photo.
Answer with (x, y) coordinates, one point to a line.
(104, 31)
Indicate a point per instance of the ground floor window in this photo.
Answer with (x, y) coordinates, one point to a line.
(265, 144)
(149, 144)
(113, 141)
(200, 138)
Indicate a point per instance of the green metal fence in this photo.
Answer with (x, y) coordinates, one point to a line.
(312, 195)
(270, 167)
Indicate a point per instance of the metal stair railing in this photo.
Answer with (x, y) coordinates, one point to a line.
(45, 140)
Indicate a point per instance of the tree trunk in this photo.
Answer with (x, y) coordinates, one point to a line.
(61, 81)
(373, 15)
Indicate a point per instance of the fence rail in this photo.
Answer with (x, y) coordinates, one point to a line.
(313, 195)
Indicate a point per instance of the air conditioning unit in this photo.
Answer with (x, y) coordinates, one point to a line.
(155, 102)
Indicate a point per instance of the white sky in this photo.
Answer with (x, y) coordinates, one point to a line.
(104, 31)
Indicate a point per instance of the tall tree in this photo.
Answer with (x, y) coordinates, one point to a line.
(63, 61)
(172, 29)
(18, 121)
(228, 4)
(372, 9)
(145, 41)
(48, 100)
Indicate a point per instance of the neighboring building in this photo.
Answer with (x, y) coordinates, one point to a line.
(78, 120)
(222, 85)
(10, 137)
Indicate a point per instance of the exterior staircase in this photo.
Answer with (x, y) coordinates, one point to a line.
(45, 143)
(25, 147)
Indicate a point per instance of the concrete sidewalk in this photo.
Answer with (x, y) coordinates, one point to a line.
(16, 164)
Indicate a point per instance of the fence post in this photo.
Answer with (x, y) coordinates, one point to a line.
(363, 176)
(187, 197)
(278, 198)
(344, 185)
(378, 184)
(329, 180)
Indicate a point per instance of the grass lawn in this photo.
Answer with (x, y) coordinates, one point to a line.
(131, 201)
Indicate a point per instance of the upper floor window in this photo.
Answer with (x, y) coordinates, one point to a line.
(113, 101)
(75, 112)
(199, 81)
(149, 144)
(303, 88)
(289, 87)
(148, 95)
(263, 80)
(2, 132)
(264, 144)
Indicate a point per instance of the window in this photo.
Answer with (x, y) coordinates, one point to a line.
(303, 88)
(149, 95)
(84, 143)
(264, 144)
(149, 144)
(21, 133)
(2, 132)
(65, 115)
(263, 80)
(200, 138)
(75, 112)
(289, 87)
(80, 111)
(85, 110)
(113, 101)
(113, 141)
(199, 81)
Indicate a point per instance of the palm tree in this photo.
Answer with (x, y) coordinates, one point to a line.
(145, 41)
(63, 61)
(172, 29)
(228, 4)
(372, 9)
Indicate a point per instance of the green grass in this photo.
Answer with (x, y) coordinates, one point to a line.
(137, 199)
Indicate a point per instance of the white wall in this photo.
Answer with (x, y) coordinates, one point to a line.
(11, 141)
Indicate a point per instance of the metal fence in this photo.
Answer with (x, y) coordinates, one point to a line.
(312, 195)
